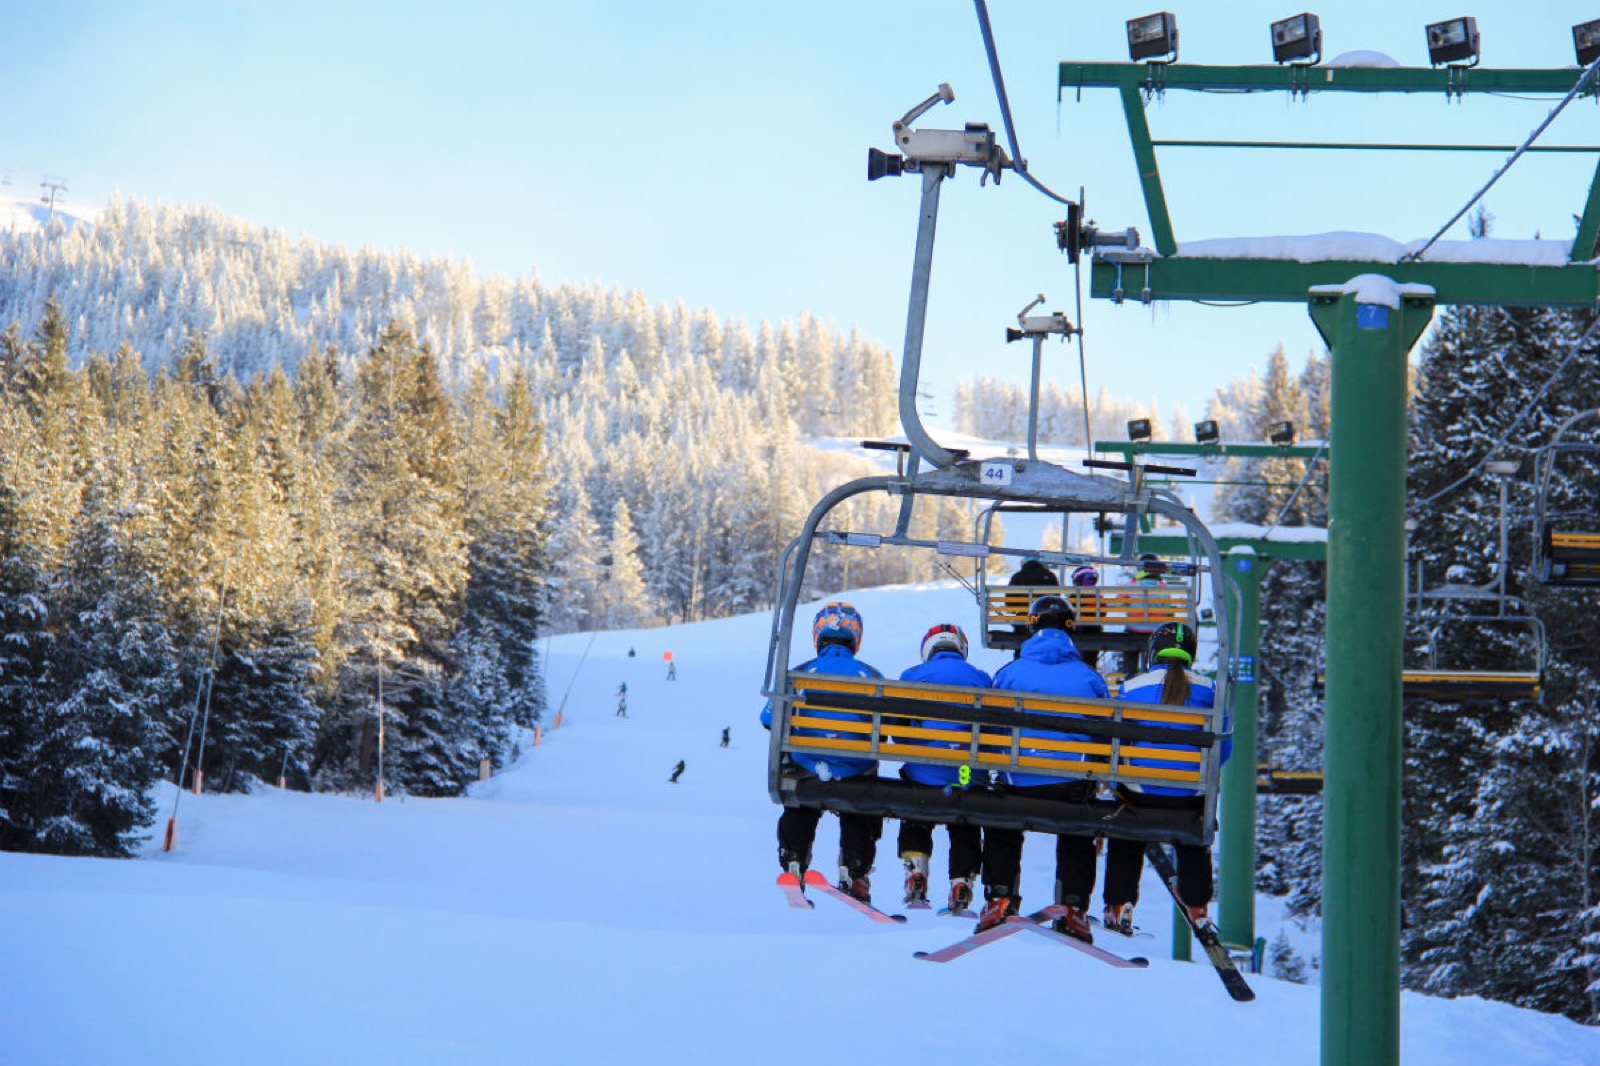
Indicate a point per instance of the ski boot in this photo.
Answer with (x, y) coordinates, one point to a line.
(960, 895)
(858, 887)
(997, 909)
(916, 879)
(1074, 923)
(1119, 918)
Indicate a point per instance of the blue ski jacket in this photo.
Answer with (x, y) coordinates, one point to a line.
(1049, 662)
(840, 660)
(945, 668)
(1146, 688)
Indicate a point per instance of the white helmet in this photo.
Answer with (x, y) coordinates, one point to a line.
(944, 637)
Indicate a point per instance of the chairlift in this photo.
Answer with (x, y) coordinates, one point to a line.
(1111, 617)
(1125, 743)
(898, 721)
(1566, 523)
(1470, 644)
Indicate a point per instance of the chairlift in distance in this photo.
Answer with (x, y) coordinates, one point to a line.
(1470, 644)
(1566, 523)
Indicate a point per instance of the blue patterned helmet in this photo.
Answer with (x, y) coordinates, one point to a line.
(837, 623)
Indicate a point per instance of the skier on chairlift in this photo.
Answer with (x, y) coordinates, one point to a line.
(836, 635)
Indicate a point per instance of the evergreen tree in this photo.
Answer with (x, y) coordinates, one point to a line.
(1496, 794)
(96, 751)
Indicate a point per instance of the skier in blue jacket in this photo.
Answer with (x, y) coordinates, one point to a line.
(836, 634)
(1048, 662)
(944, 662)
(1171, 650)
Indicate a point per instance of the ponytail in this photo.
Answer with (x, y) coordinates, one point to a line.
(1175, 687)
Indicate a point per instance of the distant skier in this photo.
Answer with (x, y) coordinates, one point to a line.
(622, 701)
(630, 653)
(725, 735)
(676, 772)
(672, 670)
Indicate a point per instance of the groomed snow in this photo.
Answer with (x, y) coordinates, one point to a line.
(577, 908)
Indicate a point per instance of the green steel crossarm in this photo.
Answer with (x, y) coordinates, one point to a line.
(1178, 76)
(1288, 281)
(1314, 550)
(1211, 451)
(1144, 157)
(1583, 245)
(1378, 146)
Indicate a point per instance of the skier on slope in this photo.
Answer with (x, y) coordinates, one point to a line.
(944, 662)
(1171, 651)
(1047, 662)
(836, 634)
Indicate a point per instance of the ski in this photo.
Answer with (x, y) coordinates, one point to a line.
(1110, 958)
(827, 888)
(794, 893)
(1205, 932)
(977, 940)
(918, 905)
(946, 912)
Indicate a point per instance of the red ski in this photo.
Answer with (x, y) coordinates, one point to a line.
(1107, 957)
(796, 894)
(827, 888)
(988, 936)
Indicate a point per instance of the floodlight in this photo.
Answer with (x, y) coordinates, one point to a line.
(1139, 429)
(1297, 38)
(1153, 37)
(1281, 433)
(1586, 39)
(1453, 40)
(1207, 432)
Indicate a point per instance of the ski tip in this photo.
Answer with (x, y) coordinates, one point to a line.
(1138, 960)
(919, 954)
(898, 918)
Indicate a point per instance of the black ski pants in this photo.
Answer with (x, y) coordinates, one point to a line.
(1002, 849)
(858, 838)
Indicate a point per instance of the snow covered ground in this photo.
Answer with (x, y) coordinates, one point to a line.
(578, 908)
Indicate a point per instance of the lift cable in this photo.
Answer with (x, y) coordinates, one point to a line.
(1577, 88)
(1018, 163)
(1083, 363)
(1529, 408)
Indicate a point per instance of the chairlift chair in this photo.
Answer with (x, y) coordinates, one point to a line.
(1450, 659)
(1119, 617)
(1107, 741)
(1566, 525)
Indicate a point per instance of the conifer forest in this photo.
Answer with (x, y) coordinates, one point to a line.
(255, 491)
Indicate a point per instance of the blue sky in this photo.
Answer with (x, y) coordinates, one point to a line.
(714, 152)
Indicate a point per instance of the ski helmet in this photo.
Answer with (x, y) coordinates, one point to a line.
(1085, 575)
(1052, 612)
(837, 623)
(1151, 567)
(1174, 642)
(944, 637)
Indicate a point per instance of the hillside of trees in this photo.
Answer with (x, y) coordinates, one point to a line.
(250, 488)
(1500, 863)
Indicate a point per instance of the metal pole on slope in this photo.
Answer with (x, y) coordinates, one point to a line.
(1369, 330)
(1237, 895)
